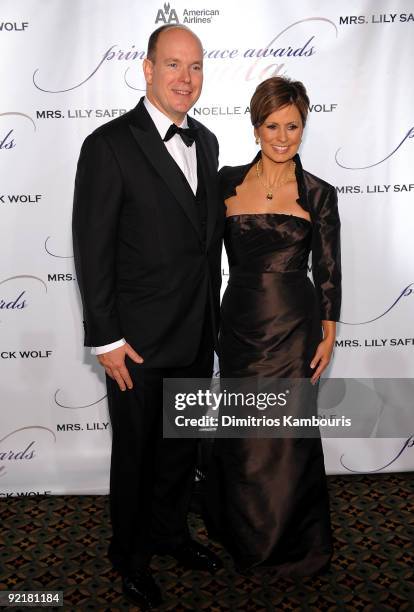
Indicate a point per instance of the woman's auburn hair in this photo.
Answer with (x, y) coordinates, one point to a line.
(275, 93)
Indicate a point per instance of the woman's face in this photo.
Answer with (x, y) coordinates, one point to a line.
(281, 134)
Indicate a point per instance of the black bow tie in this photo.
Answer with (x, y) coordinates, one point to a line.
(188, 135)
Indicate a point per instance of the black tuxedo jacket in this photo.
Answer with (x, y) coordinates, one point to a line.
(143, 269)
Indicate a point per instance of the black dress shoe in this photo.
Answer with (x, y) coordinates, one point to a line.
(194, 555)
(141, 589)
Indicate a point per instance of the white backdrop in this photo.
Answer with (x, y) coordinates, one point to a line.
(67, 67)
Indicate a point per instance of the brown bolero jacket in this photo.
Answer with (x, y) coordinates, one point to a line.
(319, 198)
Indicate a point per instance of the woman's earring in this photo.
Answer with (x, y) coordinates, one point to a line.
(257, 140)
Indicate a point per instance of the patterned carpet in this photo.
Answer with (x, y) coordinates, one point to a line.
(60, 543)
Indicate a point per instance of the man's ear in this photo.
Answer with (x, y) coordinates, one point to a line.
(148, 68)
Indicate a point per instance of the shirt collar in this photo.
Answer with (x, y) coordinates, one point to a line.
(161, 121)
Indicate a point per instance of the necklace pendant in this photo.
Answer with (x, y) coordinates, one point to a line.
(269, 195)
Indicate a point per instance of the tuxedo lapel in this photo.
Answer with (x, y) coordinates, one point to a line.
(151, 144)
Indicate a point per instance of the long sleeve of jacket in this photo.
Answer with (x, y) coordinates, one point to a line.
(326, 256)
(96, 209)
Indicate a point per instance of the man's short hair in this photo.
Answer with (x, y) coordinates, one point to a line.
(153, 39)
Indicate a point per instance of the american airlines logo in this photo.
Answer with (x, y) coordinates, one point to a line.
(166, 15)
(169, 16)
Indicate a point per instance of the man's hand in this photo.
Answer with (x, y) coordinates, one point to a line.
(114, 364)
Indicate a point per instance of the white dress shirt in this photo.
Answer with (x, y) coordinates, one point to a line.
(185, 157)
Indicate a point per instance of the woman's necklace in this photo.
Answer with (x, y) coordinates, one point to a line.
(289, 176)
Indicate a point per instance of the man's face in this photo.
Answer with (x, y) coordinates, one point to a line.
(175, 78)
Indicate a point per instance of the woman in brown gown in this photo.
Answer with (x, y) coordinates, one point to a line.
(267, 499)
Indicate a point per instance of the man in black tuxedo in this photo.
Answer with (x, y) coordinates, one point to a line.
(148, 225)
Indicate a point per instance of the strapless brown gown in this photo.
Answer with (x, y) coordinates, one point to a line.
(267, 499)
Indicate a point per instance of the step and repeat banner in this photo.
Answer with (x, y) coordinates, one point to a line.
(68, 67)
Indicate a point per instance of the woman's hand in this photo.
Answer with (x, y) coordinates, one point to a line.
(323, 353)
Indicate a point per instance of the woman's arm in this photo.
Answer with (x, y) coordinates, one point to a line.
(326, 270)
(326, 256)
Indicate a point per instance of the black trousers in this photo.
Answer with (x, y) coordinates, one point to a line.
(151, 477)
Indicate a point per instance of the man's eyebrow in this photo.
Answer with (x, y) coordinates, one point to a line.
(175, 59)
